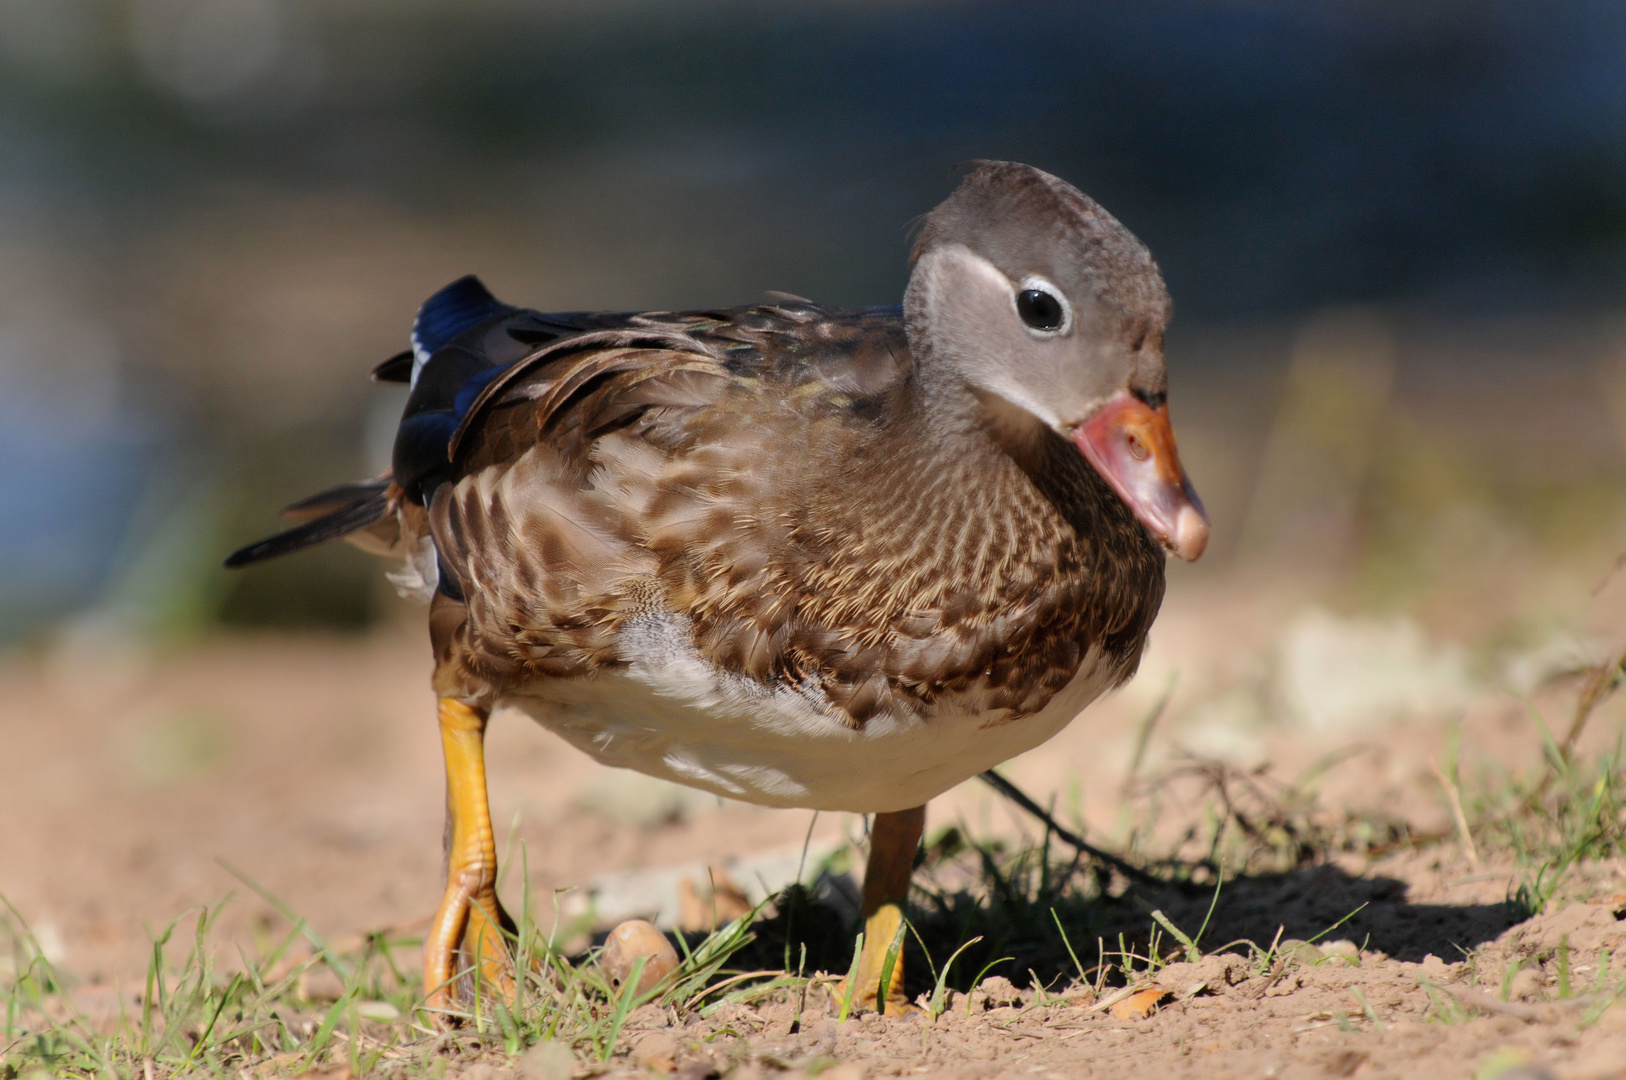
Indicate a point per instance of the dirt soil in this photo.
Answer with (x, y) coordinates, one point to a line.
(135, 782)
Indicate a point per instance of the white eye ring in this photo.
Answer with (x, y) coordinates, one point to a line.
(1048, 315)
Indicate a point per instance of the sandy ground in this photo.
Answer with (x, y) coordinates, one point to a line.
(130, 781)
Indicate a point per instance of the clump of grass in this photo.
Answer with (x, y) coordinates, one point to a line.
(1571, 814)
(1011, 912)
(191, 1017)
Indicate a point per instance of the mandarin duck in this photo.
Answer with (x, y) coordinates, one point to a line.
(790, 554)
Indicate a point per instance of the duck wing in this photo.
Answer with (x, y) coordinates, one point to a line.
(633, 461)
(604, 370)
(566, 469)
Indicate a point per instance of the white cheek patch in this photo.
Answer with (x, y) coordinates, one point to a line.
(984, 330)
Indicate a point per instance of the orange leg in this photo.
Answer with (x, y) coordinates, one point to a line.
(893, 838)
(467, 933)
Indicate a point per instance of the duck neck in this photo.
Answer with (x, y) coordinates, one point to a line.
(953, 421)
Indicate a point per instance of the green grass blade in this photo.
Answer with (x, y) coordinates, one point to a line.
(940, 992)
(986, 968)
(214, 1018)
(1213, 903)
(889, 962)
(323, 1034)
(1064, 940)
(1336, 925)
(623, 1006)
(1192, 955)
(852, 981)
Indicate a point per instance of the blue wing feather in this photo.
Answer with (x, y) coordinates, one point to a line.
(464, 303)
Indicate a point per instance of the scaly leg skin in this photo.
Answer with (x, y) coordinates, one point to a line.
(468, 929)
(893, 838)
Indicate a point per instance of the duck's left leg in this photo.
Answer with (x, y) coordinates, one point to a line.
(893, 838)
(468, 929)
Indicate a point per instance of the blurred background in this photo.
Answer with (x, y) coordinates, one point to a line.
(1395, 235)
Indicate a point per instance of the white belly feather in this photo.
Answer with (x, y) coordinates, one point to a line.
(673, 715)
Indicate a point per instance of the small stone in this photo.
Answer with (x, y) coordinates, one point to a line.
(657, 1052)
(547, 1061)
(377, 1010)
(1342, 953)
(1210, 975)
(631, 941)
(995, 992)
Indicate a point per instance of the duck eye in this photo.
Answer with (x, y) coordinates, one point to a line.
(1041, 309)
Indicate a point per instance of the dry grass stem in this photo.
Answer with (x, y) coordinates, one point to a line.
(1457, 815)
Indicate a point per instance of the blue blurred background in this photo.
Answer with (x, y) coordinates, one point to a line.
(216, 215)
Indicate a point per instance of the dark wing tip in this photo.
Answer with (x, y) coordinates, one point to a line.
(246, 556)
(397, 368)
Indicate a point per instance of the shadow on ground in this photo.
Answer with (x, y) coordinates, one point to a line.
(1022, 928)
(1306, 903)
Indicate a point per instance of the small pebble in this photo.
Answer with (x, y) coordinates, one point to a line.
(1342, 953)
(995, 992)
(635, 939)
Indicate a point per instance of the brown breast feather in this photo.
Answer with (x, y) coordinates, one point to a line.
(763, 479)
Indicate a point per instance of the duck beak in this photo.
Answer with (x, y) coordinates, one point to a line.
(1132, 446)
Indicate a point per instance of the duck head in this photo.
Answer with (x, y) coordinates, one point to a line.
(1051, 314)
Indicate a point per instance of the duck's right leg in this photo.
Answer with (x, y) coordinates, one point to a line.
(893, 838)
(468, 930)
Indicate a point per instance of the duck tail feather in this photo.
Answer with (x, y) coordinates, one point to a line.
(323, 503)
(370, 505)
